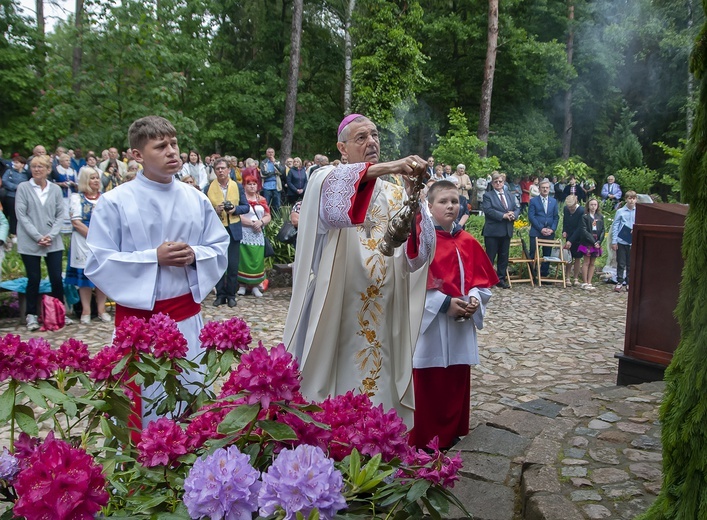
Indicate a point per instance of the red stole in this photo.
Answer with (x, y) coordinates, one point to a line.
(445, 273)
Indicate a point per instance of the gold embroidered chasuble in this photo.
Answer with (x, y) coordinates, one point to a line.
(355, 314)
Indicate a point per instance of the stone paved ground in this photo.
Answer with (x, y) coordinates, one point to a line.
(552, 436)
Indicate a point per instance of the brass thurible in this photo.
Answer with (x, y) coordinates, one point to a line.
(401, 225)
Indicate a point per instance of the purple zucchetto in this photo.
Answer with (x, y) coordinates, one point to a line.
(347, 120)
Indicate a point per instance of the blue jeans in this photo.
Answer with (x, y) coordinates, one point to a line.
(272, 197)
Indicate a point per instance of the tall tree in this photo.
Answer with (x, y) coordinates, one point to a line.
(41, 37)
(567, 130)
(288, 125)
(78, 49)
(487, 84)
(683, 413)
(348, 56)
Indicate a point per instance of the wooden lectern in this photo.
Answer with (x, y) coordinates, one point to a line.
(652, 331)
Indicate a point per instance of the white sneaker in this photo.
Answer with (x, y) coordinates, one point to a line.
(68, 321)
(257, 293)
(241, 291)
(85, 319)
(32, 323)
(105, 317)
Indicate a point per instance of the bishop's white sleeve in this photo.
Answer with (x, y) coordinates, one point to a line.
(127, 277)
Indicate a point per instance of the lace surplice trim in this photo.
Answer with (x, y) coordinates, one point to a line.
(427, 240)
(338, 190)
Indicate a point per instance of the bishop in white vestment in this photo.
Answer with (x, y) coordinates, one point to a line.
(355, 314)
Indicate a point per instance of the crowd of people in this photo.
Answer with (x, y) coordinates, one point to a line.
(66, 185)
(396, 334)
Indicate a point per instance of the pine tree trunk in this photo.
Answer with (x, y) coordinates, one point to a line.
(288, 124)
(487, 85)
(567, 132)
(41, 38)
(689, 116)
(683, 413)
(348, 57)
(78, 50)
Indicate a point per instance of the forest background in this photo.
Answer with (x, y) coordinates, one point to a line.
(589, 87)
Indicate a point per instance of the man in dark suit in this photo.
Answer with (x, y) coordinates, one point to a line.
(544, 216)
(500, 210)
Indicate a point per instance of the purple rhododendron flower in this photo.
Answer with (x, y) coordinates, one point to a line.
(9, 465)
(300, 481)
(169, 340)
(267, 376)
(222, 485)
(73, 354)
(163, 442)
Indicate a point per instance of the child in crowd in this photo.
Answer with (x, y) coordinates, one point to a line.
(458, 289)
(621, 239)
(590, 241)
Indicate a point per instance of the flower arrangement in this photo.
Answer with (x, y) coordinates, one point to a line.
(257, 450)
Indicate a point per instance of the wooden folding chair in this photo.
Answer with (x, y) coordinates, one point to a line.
(522, 261)
(557, 261)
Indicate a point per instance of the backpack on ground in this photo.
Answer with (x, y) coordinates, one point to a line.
(53, 313)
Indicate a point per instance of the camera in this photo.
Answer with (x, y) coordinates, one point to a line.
(228, 205)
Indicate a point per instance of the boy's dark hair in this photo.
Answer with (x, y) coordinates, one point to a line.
(439, 186)
(150, 127)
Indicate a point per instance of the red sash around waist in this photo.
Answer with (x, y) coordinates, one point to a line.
(178, 308)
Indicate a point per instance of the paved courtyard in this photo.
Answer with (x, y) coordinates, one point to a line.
(552, 436)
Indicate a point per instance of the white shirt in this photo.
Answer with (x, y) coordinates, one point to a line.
(42, 193)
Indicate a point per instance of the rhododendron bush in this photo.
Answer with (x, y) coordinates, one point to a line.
(255, 449)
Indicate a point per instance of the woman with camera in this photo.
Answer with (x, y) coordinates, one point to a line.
(229, 201)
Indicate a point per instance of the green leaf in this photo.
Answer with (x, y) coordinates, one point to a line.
(150, 503)
(7, 401)
(418, 489)
(239, 418)
(278, 430)
(24, 416)
(49, 413)
(34, 395)
(51, 393)
(354, 464)
(438, 500)
(430, 509)
(227, 361)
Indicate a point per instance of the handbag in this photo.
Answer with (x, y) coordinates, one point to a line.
(269, 251)
(287, 233)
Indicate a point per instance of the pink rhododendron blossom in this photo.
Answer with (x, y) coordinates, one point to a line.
(437, 467)
(266, 376)
(103, 363)
(380, 432)
(169, 341)
(163, 442)
(205, 426)
(133, 333)
(73, 354)
(26, 361)
(230, 334)
(61, 483)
